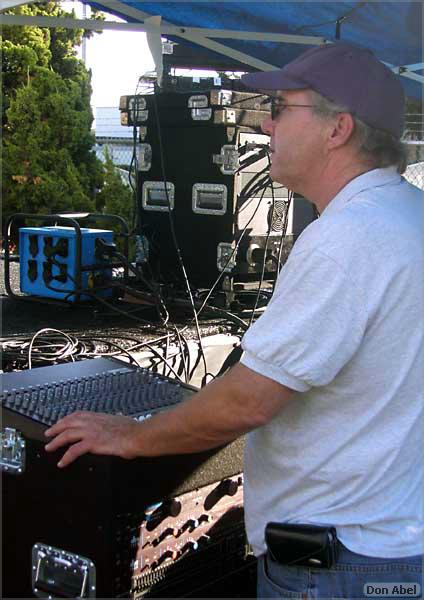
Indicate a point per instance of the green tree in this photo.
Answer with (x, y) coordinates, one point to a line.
(115, 197)
(48, 159)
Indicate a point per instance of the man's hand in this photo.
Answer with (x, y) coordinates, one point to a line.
(223, 410)
(97, 433)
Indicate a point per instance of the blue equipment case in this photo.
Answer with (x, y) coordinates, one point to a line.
(49, 262)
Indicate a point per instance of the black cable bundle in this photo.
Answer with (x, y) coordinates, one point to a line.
(151, 296)
(173, 234)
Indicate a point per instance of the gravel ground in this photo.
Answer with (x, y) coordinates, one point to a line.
(23, 318)
(14, 277)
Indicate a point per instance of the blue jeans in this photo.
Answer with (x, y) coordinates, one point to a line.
(353, 577)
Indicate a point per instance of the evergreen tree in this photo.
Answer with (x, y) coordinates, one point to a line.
(116, 197)
(48, 160)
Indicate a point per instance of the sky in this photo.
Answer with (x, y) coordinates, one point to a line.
(116, 58)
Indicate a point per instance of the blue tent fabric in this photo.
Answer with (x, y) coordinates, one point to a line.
(393, 30)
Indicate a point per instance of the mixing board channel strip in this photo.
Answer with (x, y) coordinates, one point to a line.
(134, 392)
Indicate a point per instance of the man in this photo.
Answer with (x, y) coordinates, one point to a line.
(330, 384)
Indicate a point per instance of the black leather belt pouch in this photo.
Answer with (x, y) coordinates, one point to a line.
(304, 545)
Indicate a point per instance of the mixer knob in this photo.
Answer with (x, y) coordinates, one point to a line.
(203, 540)
(169, 508)
(204, 518)
(227, 487)
(168, 532)
(191, 545)
(172, 507)
(190, 525)
(172, 554)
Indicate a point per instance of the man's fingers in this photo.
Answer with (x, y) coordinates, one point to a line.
(73, 453)
(68, 421)
(88, 432)
(65, 437)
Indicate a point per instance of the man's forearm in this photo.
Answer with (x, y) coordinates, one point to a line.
(219, 413)
(206, 420)
(222, 411)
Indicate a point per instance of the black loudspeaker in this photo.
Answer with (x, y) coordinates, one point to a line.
(206, 139)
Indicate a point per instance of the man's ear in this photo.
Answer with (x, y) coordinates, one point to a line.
(341, 130)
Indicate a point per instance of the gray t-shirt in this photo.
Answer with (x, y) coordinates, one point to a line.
(345, 329)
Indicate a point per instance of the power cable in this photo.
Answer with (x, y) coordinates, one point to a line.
(233, 253)
(174, 237)
(283, 236)
(67, 350)
(262, 277)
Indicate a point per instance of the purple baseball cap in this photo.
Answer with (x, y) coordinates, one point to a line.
(346, 74)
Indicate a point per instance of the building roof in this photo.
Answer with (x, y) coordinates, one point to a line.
(108, 124)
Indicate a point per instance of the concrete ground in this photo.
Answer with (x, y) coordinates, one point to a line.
(23, 318)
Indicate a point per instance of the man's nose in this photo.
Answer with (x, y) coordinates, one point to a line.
(267, 125)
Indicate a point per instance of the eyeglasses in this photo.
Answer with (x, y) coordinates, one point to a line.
(278, 106)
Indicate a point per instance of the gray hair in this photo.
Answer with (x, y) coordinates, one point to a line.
(379, 148)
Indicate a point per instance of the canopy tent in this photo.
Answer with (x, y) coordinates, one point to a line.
(266, 35)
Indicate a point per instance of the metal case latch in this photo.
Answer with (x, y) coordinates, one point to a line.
(156, 197)
(12, 459)
(137, 109)
(221, 97)
(228, 159)
(199, 108)
(142, 132)
(201, 114)
(144, 152)
(225, 116)
(225, 257)
(209, 198)
(58, 573)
